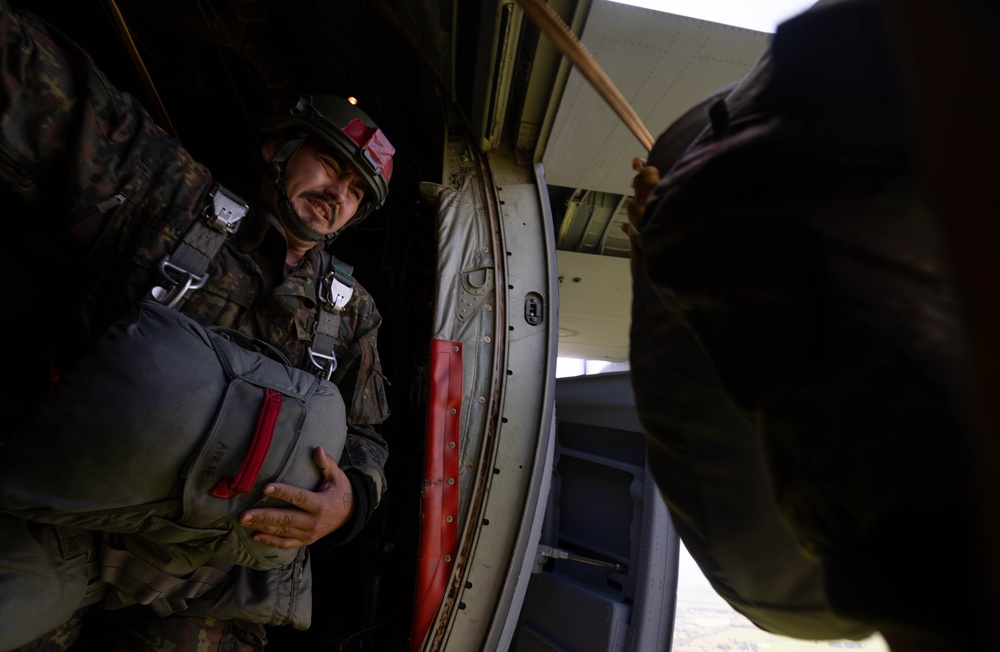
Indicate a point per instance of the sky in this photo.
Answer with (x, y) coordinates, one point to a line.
(759, 15)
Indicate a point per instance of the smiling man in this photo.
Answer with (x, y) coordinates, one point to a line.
(134, 197)
(324, 192)
(315, 189)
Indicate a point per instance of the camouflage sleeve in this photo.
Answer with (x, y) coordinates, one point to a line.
(365, 451)
(38, 102)
(361, 382)
(359, 373)
(66, 133)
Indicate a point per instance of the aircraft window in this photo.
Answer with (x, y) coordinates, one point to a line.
(566, 367)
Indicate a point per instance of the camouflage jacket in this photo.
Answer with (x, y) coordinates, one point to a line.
(120, 193)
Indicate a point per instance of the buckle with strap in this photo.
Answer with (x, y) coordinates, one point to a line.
(334, 291)
(180, 282)
(326, 363)
(226, 211)
(186, 269)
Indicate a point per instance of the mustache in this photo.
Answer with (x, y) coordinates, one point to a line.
(318, 196)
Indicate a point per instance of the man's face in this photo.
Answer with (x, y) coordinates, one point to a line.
(323, 187)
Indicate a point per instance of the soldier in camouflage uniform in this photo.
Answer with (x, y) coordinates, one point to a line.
(799, 348)
(117, 194)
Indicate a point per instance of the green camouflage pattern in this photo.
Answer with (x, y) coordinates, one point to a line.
(112, 194)
(60, 639)
(133, 193)
(178, 634)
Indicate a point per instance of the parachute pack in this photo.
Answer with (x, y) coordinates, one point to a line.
(167, 432)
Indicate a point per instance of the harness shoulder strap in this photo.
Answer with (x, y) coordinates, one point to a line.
(187, 269)
(334, 288)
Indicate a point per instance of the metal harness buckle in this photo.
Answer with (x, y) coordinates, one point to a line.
(325, 363)
(223, 215)
(226, 211)
(178, 288)
(334, 294)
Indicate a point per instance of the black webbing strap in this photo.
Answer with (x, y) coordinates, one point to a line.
(186, 270)
(334, 289)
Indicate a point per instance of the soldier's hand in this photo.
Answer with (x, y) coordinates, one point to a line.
(644, 181)
(313, 514)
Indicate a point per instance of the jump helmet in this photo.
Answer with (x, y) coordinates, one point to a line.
(351, 132)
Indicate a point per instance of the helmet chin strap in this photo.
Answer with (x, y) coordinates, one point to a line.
(287, 216)
(291, 221)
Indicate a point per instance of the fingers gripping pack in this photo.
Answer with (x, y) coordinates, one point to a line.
(166, 434)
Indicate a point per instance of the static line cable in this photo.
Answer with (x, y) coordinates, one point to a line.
(546, 19)
(147, 81)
